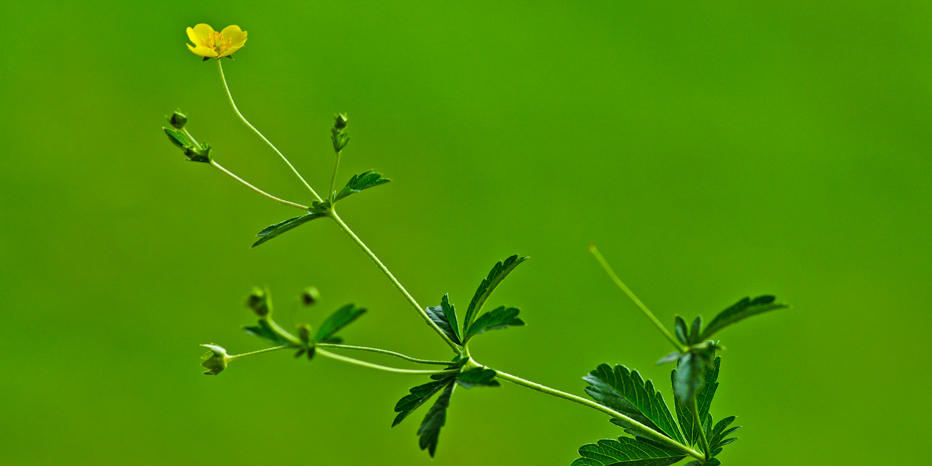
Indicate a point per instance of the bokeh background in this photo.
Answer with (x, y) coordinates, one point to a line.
(711, 150)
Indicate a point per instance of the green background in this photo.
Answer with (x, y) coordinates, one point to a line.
(711, 150)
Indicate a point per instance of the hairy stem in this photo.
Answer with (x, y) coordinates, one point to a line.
(650, 315)
(634, 425)
(233, 357)
(370, 365)
(384, 351)
(333, 179)
(241, 117)
(704, 441)
(394, 281)
(245, 183)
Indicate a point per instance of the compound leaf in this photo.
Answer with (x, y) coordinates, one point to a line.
(416, 398)
(642, 396)
(357, 183)
(274, 230)
(740, 311)
(495, 319)
(496, 275)
(436, 417)
(626, 451)
(265, 332)
(477, 377)
(444, 316)
(339, 319)
(684, 411)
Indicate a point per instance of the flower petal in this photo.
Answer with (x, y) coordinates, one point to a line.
(193, 37)
(235, 34)
(230, 51)
(203, 32)
(203, 51)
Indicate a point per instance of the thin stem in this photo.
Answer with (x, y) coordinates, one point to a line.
(370, 365)
(253, 353)
(702, 439)
(634, 425)
(334, 178)
(191, 138)
(394, 281)
(245, 183)
(650, 315)
(383, 351)
(241, 117)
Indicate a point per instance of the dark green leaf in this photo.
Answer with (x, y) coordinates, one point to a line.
(669, 358)
(739, 311)
(495, 319)
(477, 377)
(178, 138)
(626, 451)
(336, 321)
(436, 417)
(417, 397)
(444, 316)
(642, 396)
(721, 426)
(319, 207)
(281, 227)
(688, 377)
(684, 412)
(361, 181)
(265, 332)
(695, 330)
(681, 333)
(496, 275)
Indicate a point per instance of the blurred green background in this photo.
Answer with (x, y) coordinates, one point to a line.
(712, 151)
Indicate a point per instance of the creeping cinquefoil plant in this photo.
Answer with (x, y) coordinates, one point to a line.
(653, 433)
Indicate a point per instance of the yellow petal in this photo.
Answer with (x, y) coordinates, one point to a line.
(203, 32)
(235, 34)
(193, 37)
(203, 51)
(230, 51)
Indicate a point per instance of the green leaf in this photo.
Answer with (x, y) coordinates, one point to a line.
(444, 316)
(339, 319)
(626, 451)
(681, 333)
(477, 377)
(436, 417)
(720, 432)
(265, 332)
(357, 183)
(496, 275)
(695, 331)
(684, 412)
(740, 311)
(320, 207)
(417, 397)
(669, 358)
(642, 396)
(281, 227)
(688, 377)
(178, 138)
(495, 319)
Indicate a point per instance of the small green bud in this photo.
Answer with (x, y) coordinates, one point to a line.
(304, 333)
(260, 302)
(215, 360)
(310, 295)
(178, 119)
(339, 120)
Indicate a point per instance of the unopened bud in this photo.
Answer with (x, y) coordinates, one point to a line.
(310, 295)
(304, 333)
(178, 119)
(260, 302)
(339, 120)
(215, 360)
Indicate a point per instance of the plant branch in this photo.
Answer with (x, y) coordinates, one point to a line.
(233, 357)
(245, 183)
(370, 365)
(702, 438)
(384, 351)
(333, 179)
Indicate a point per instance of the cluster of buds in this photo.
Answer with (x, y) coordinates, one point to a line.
(176, 134)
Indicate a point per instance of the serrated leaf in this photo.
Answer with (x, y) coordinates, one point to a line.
(684, 412)
(721, 426)
(740, 311)
(496, 275)
(339, 319)
(436, 417)
(477, 377)
(357, 183)
(444, 316)
(626, 451)
(265, 332)
(679, 325)
(417, 397)
(688, 377)
(274, 230)
(495, 319)
(641, 395)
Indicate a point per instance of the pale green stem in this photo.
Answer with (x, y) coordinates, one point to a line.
(245, 183)
(253, 353)
(241, 117)
(188, 134)
(370, 365)
(702, 439)
(330, 194)
(394, 281)
(633, 425)
(383, 351)
(650, 315)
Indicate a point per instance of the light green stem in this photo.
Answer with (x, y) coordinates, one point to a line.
(333, 179)
(650, 315)
(245, 183)
(702, 439)
(253, 353)
(383, 351)
(394, 281)
(370, 365)
(241, 117)
(634, 425)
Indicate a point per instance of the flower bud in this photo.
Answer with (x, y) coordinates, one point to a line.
(260, 302)
(304, 333)
(178, 119)
(339, 120)
(310, 295)
(215, 360)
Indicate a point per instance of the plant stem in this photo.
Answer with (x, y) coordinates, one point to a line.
(245, 183)
(633, 425)
(384, 351)
(253, 353)
(650, 315)
(703, 440)
(370, 365)
(241, 117)
(333, 179)
(394, 281)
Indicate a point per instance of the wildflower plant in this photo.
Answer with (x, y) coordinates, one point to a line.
(653, 434)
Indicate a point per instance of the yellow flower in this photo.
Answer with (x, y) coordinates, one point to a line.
(212, 44)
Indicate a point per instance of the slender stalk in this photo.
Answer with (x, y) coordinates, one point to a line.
(650, 315)
(394, 281)
(370, 365)
(245, 183)
(241, 117)
(188, 134)
(333, 179)
(634, 425)
(384, 351)
(702, 439)
(253, 353)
